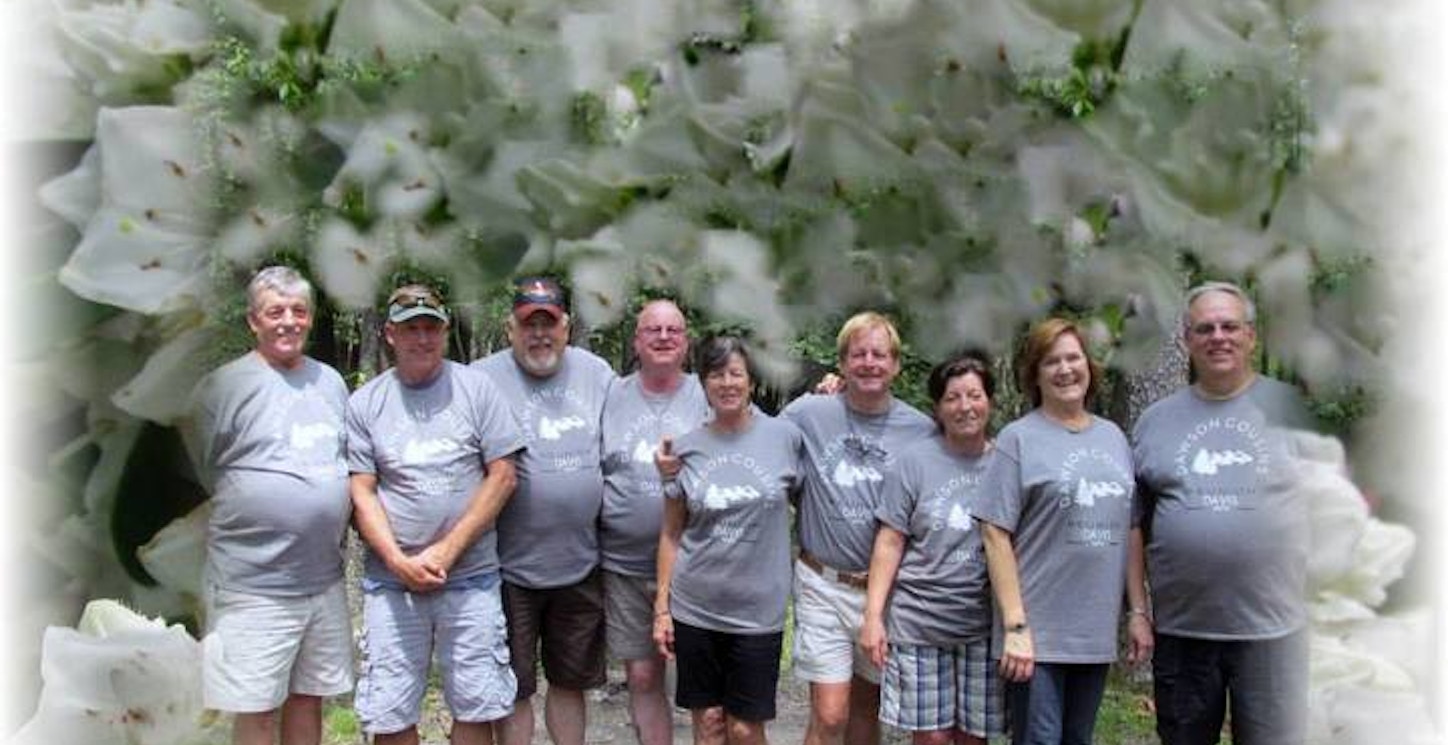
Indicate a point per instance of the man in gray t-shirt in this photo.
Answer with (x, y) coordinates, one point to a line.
(1224, 538)
(850, 443)
(430, 445)
(658, 401)
(269, 427)
(548, 534)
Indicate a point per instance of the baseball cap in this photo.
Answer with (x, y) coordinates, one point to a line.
(410, 301)
(532, 294)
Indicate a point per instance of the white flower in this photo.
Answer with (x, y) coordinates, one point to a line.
(119, 679)
(145, 245)
(391, 30)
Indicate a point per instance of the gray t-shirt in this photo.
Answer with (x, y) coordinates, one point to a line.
(633, 423)
(847, 455)
(941, 594)
(1066, 498)
(271, 451)
(428, 446)
(548, 533)
(1227, 548)
(732, 572)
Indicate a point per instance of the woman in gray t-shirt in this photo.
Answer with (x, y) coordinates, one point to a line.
(938, 679)
(723, 562)
(1055, 509)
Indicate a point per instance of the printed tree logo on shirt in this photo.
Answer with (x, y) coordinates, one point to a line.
(306, 436)
(1088, 491)
(959, 519)
(848, 475)
(721, 497)
(420, 452)
(553, 429)
(1208, 462)
(643, 452)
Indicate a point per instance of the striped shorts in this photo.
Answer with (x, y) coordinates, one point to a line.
(928, 688)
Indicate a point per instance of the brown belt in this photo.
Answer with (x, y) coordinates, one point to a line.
(857, 580)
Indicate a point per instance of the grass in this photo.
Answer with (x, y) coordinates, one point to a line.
(1125, 717)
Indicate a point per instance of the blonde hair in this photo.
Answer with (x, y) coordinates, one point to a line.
(864, 321)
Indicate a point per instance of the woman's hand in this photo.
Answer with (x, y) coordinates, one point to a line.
(664, 634)
(873, 640)
(665, 461)
(1140, 638)
(1018, 659)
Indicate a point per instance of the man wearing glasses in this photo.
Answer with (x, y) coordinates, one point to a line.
(1221, 538)
(548, 534)
(656, 403)
(431, 447)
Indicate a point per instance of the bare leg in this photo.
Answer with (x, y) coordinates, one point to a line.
(741, 732)
(829, 710)
(472, 733)
(648, 707)
(254, 728)
(863, 727)
(405, 737)
(708, 725)
(302, 720)
(566, 715)
(516, 728)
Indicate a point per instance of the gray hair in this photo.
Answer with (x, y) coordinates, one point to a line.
(283, 280)
(1249, 307)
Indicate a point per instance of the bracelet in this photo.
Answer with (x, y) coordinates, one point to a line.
(660, 613)
(1138, 612)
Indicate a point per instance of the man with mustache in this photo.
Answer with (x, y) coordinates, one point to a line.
(548, 534)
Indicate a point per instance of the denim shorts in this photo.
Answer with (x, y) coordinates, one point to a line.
(402, 630)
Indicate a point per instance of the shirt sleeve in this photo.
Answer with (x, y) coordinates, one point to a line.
(898, 496)
(360, 457)
(1001, 490)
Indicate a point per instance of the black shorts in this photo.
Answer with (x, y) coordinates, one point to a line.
(737, 671)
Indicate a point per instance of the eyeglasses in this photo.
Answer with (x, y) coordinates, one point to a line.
(1207, 328)
(661, 331)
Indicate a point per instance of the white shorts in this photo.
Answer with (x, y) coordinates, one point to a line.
(827, 618)
(402, 631)
(260, 648)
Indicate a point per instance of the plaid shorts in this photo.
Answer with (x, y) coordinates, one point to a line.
(928, 688)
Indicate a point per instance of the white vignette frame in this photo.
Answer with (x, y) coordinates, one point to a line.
(1418, 264)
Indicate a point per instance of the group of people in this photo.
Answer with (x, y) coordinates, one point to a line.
(535, 507)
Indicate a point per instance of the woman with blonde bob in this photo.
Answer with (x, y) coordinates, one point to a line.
(1055, 510)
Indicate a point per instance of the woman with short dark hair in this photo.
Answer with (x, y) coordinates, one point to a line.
(928, 572)
(724, 554)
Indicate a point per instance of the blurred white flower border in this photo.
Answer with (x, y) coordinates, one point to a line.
(1369, 670)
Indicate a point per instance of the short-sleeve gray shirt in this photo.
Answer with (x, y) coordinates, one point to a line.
(941, 594)
(1227, 534)
(1066, 498)
(272, 451)
(548, 533)
(634, 421)
(429, 446)
(847, 455)
(732, 572)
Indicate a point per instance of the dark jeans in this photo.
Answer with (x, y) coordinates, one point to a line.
(1264, 682)
(1057, 706)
